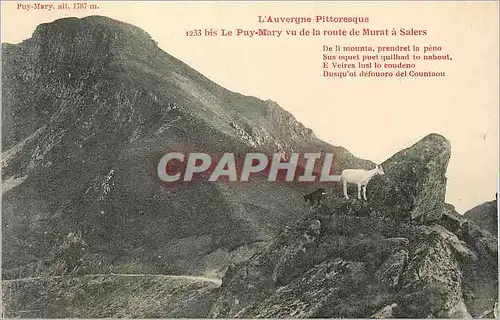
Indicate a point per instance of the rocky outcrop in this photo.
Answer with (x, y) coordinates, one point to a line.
(308, 271)
(403, 253)
(414, 185)
(485, 216)
(432, 282)
(480, 277)
(355, 267)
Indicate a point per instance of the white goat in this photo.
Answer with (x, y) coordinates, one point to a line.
(359, 177)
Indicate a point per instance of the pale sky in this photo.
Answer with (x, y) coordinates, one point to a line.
(372, 118)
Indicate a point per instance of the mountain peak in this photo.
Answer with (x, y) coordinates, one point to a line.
(436, 140)
(90, 39)
(73, 26)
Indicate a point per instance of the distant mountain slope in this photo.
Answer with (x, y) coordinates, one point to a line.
(486, 216)
(90, 105)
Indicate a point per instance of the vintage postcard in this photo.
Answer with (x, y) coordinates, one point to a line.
(249, 159)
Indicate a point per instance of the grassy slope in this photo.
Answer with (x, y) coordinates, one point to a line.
(97, 296)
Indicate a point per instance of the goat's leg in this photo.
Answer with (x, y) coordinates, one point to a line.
(359, 191)
(364, 192)
(345, 189)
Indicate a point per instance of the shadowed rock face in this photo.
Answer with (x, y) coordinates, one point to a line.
(480, 278)
(358, 266)
(403, 253)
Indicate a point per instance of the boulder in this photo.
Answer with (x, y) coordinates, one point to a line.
(414, 185)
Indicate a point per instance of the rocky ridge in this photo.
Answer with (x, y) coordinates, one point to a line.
(403, 253)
